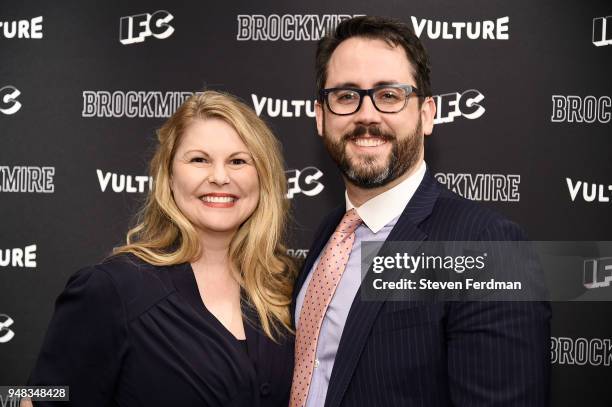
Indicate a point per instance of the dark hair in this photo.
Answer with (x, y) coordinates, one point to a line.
(390, 30)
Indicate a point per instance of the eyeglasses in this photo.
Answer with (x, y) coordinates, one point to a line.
(386, 98)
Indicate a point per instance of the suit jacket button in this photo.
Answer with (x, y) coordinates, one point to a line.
(264, 389)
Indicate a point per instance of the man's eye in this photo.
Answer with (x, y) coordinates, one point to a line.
(389, 96)
(347, 96)
(344, 97)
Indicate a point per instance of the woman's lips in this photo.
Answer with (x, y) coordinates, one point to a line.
(219, 200)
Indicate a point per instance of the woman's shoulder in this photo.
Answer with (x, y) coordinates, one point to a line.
(125, 263)
(137, 283)
(126, 269)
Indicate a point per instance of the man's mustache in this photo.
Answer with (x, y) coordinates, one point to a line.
(374, 131)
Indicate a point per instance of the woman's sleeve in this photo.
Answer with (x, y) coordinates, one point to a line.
(85, 342)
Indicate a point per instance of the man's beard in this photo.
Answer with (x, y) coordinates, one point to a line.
(404, 155)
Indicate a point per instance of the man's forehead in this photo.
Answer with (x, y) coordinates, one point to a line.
(366, 62)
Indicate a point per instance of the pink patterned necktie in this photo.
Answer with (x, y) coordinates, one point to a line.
(318, 296)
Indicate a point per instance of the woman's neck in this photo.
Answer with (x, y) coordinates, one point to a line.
(215, 253)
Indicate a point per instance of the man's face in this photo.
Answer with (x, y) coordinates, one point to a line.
(372, 148)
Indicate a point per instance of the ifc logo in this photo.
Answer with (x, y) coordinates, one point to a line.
(8, 100)
(305, 181)
(5, 333)
(136, 28)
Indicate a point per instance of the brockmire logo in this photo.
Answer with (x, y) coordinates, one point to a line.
(132, 103)
(581, 351)
(483, 187)
(581, 109)
(287, 27)
(27, 179)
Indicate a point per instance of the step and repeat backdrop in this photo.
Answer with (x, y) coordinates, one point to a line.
(524, 97)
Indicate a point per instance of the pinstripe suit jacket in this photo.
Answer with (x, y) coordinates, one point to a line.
(401, 353)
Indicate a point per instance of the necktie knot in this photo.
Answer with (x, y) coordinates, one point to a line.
(350, 221)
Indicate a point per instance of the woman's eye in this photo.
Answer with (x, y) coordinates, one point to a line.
(199, 160)
(237, 161)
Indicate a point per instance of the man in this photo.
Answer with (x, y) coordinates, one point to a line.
(373, 111)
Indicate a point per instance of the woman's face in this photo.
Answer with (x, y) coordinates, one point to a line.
(214, 180)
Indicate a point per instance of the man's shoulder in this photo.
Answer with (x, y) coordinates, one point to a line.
(464, 208)
(468, 220)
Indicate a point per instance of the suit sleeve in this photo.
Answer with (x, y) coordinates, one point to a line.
(85, 342)
(498, 352)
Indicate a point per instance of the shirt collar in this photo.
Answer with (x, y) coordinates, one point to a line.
(383, 208)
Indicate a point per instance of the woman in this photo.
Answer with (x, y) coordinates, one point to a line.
(193, 310)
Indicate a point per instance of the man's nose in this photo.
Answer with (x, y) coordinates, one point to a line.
(367, 113)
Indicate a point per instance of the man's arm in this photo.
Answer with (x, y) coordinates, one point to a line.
(499, 352)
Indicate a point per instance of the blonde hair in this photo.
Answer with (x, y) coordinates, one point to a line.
(164, 236)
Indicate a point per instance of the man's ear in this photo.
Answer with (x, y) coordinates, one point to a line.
(428, 114)
(319, 116)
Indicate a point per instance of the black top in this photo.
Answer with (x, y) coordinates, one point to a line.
(126, 333)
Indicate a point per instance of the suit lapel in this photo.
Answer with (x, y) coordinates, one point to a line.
(363, 313)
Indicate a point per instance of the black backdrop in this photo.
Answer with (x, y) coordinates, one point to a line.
(524, 126)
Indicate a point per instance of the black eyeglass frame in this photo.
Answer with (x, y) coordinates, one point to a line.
(324, 96)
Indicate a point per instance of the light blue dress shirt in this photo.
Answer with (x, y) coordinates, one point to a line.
(379, 216)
